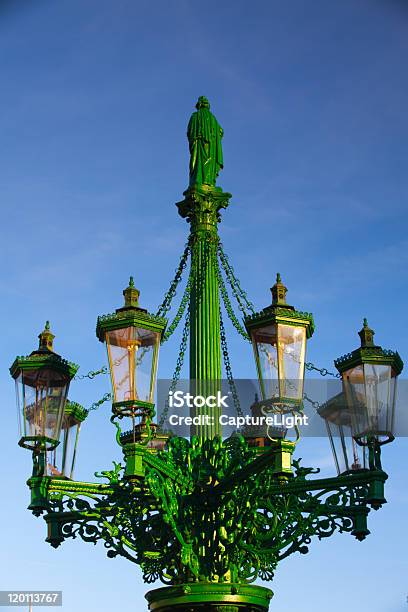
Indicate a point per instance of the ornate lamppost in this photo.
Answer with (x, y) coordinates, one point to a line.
(207, 516)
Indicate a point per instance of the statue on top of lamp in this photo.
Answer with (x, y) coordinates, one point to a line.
(204, 135)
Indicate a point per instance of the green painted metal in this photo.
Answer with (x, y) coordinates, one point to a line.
(204, 137)
(205, 342)
(280, 312)
(75, 411)
(201, 207)
(131, 314)
(208, 511)
(211, 597)
(27, 369)
(43, 359)
(205, 516)
(369, 353)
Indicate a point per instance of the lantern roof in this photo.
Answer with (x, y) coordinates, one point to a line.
(77, 412)
(368, 352)
(280, 312)
(44, 357)
(129, 315)
(336, 410)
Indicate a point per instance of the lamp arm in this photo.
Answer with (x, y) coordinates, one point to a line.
(350, 481)
(155, 463)
(119, 518)
(264, 462)
(170, 522)
(258, 465)
(57, 485)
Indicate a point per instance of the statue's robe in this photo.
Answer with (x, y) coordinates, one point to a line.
(204, 136)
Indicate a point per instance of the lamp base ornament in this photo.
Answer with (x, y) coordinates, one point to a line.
(210, 597)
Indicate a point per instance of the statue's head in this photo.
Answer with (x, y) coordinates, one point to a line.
(202, 102)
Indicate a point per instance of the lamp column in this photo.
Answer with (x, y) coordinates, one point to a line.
(201, 208)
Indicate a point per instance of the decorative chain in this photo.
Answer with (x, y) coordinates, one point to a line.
(322, 371)
(173, 326)
(244, 306)
(227, 303)
(165, 305)
(314, 403)
(184, 336)
(228, 371)
(179, 365)
(92, 373)
(106, 398)
(244, 303)
(163, 309)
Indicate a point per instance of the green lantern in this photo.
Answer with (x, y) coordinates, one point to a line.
(61, 460)
(369, 376)
(42, 383)
(132, 338)
(278, 334)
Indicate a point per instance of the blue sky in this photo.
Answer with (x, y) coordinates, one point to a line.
(94, 104)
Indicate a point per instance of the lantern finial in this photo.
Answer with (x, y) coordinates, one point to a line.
(279, 292)
(46, 338)
(131, 295)
(366, 335)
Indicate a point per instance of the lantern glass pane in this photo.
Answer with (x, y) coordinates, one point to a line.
(52, 464)
(348, 455)
(280, 355)
(380, 387)
(291, 356)
(371, 392)
(265, 343)
(41, 398)
(20, 405)
(132, 354)
(61, 460)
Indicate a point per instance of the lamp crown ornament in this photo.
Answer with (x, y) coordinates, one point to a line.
(366, 335)
(46, 338)
(279, 292)
(131, 295)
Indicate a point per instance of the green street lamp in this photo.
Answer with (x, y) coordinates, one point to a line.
(278, 334)
(42, 383)
(369, 376)
(207, 516)
(132, 338)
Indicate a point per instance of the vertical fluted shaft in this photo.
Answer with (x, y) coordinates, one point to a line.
(205, 348)
(201, 207)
